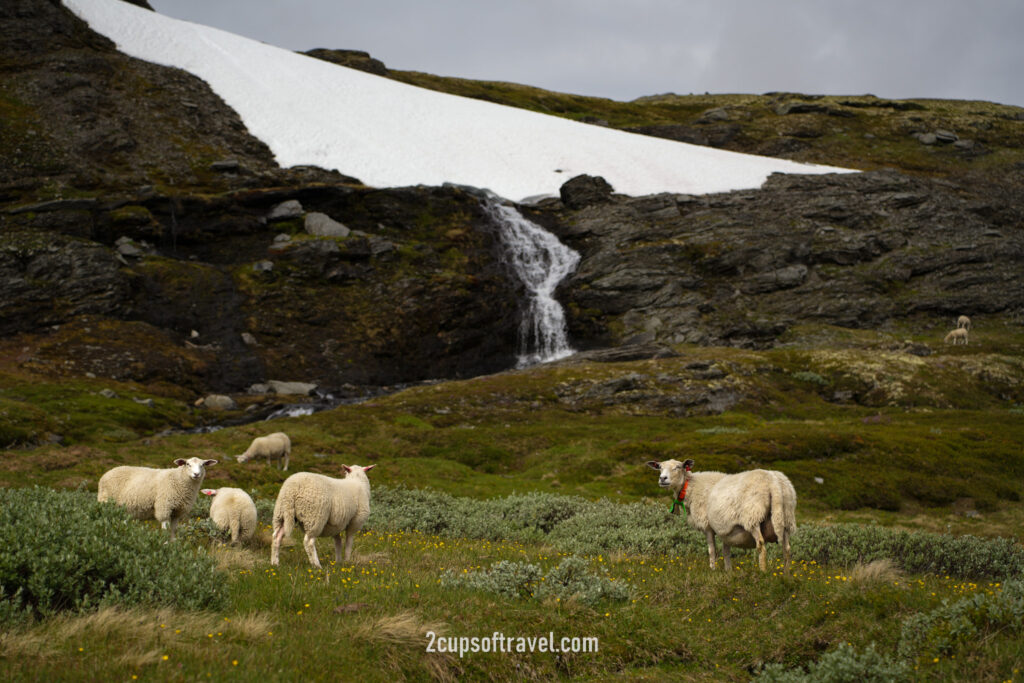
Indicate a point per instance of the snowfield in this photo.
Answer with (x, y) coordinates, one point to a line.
(389, 134)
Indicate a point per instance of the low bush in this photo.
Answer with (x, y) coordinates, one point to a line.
(572, 579)
(842, 665)
(585, 527)
(64, 551)
(942, 631)
(917, 552)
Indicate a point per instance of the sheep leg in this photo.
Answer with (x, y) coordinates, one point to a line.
(712, 551)
(727, 556)
(234, 531)
(785, 551)
(309, 543)
(350, 539)
(284, 461)
(762, 549)
(275, 546)
(338, 552)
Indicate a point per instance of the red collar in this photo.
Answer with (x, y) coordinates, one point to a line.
(682, 491)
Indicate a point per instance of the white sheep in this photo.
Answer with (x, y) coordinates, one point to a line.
(276, 445)
(234, 510)
(963, 322)
(166, 495)
(323, 506)
(746, 509)
(957, 336)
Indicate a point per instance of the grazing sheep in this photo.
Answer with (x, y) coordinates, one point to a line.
(233, 509)
(323, 506)
(963, 322)
(746, 509)
(166, 495)
(276, 445)
(957, 336)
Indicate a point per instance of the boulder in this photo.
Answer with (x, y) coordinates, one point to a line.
(285, 211)
(585, 190)
(322, 225)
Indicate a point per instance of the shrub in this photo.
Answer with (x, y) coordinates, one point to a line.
(812, 377)
(571, 579)
(973, 618)
(584, 527)
(913, 551)
(506, 578)
(64, 551)
(842, 665)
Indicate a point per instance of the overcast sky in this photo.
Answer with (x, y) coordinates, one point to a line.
(624, 49)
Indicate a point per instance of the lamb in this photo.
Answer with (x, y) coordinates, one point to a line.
(233, 509)
(323, 506)
(746, 509)
(276, 445)
(957, 336)
(166, 495)
(963, 322)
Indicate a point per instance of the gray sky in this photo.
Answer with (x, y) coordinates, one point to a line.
(624, 49)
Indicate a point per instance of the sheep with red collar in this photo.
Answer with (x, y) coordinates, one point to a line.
(233, 510)
(323, 506)
(166, 495)
(746, 509)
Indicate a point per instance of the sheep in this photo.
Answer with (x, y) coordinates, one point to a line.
(166, 495)
(233, 509)
(957, 336)
(963, 322)
(323, 506)
(746, 509)
(276, 445)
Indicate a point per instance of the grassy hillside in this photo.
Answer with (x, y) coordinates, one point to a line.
(898, 441)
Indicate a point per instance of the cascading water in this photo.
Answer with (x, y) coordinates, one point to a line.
(541, 262)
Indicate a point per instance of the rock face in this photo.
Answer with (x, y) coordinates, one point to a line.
(855, 250)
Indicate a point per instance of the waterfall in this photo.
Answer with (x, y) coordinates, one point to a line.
(541, 262)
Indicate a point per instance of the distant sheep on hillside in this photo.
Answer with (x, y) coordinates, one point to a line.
(963, 322)
(957, 336)
(746, 509)
(271, 446)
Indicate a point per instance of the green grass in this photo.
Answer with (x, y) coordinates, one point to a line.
(369, 620)
(923, 442)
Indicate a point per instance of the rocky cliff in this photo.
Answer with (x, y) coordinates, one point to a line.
(853, 250)
(147, 236)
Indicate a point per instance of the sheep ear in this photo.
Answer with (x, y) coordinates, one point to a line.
(688, 465)
(180, 461)
(369, 467)
(208, 492)
(347, 468)
(209, 463)
(654, 464)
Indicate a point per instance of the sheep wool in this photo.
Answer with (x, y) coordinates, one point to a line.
(166, 495)
(322, 506)
(271, 446)
(233, 510)
(746, 509)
